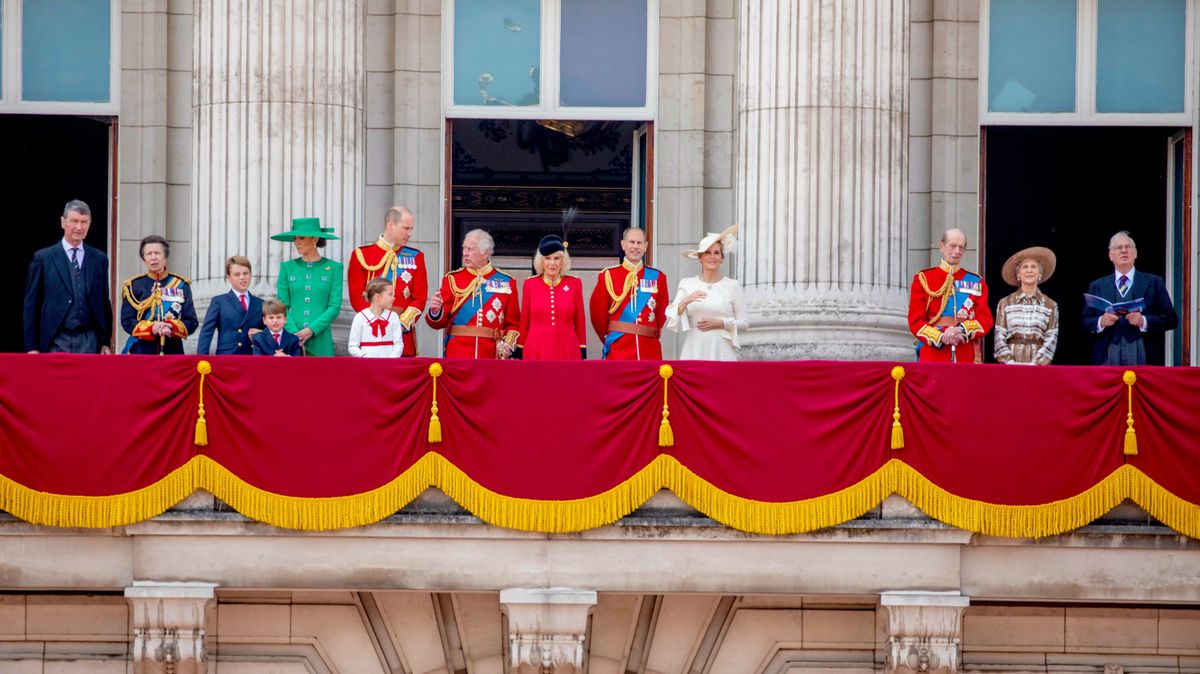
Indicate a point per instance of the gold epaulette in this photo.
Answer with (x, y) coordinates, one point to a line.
(181, 278)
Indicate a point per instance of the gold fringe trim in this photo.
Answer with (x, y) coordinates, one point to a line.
(664, 472)
(1178, 514)
(1010, 521)
(98, 512)
(315, 514)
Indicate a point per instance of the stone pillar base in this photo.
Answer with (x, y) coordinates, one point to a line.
(827, 328)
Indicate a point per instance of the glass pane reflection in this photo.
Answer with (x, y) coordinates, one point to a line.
(497, 52)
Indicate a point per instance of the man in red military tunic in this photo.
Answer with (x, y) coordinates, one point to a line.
(628, 306)
(390, 257)
(948, 307)
(477, 305)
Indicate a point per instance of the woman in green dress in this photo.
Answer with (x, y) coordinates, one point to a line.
(310, 286)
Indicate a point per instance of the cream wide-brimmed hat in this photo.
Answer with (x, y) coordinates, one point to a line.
(725, 237)
(1044, 257)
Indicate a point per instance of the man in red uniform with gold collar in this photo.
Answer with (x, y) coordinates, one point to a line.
(628, 306)
(948, 307)
(477, 305)
(392, 258)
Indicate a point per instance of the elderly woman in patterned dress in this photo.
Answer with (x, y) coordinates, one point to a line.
(1027, 320)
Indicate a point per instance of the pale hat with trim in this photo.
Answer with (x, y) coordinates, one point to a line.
(726, 238)
(1044, 257)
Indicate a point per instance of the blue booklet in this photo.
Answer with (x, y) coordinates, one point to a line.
(1119, 308)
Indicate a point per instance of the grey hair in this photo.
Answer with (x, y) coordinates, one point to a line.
(486, 243)
(76, 206)
(1123, 234)
(396, 214)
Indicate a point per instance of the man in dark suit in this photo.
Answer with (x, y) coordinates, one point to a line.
(67, 306)
(1133, 338)
(235, 316)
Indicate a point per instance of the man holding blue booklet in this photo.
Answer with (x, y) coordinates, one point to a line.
(1124, 308)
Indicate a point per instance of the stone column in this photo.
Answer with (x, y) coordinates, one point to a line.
(924, 631)
(547, 628)
(169, 626)
(822, 187)
(278, 119)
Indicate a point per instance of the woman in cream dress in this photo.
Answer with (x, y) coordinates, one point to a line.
(709, 308)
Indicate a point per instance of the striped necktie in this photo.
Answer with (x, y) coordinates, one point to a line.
(1123, 285)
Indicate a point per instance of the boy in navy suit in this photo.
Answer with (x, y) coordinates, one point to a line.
(235, 316)
(275, 341)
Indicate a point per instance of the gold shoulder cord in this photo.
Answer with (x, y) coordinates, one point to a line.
(942, 293)
(630, 282)
(154, 301)
(461, 294)
(387, 258)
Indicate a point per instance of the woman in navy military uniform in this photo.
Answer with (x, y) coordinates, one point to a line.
(156, 307)
(310, 286)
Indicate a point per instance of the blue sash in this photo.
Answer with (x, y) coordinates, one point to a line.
(480, 300)
(633, 308)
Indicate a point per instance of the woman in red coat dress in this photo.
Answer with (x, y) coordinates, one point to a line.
(552, 315)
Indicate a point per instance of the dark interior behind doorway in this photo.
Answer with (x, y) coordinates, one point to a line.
(48, 160)
(1070, 189)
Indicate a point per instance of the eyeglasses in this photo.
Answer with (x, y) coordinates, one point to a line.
(1123, 246)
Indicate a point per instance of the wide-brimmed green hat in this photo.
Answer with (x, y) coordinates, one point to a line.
(306, 227)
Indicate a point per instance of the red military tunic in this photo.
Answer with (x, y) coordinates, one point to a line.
(552, 319)
(628, 310)
(480, 309)
(406, 268)
(943, 297)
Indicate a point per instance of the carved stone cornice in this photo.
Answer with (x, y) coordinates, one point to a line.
(547, 628)
(169, 626)
(924, 631)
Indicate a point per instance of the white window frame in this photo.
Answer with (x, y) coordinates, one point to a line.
(549, 107)
(10, 95)
(1087, 14)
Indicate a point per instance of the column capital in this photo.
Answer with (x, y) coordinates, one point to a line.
(924, 631)
(547, 626)
(169, 626)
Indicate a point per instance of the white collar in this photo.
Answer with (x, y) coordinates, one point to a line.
(1117, 275)
(67, 247)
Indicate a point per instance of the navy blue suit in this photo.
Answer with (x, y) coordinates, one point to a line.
(48, 296)
(264, 344)
(232, 325)
(1160, 315)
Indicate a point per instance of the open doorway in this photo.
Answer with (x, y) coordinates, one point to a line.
(1070, 189)
(50, 160)
(514, 178)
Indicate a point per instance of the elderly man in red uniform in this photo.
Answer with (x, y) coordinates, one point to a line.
(628, 306)
(390, 257)
(948, 307)
(477, 305)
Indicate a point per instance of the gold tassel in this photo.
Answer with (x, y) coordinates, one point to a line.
(435, 424)
(897, 429)
(204, 368)
(1130, 436)
(666, 437)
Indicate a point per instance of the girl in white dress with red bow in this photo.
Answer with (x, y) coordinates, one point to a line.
(376, 331)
